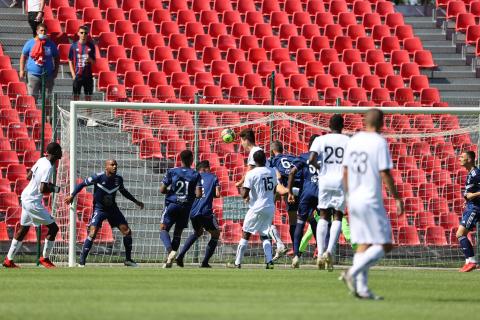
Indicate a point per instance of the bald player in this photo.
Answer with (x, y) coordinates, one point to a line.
(366, 164)
(106, 184)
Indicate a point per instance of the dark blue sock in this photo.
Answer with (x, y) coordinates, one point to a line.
(165, 237)
(176, 242)
(87, 245)
(466, 246)
(298, 238)
(313, 224)
(211, 246)
(292, 232)
(127, 243)
(187, 245)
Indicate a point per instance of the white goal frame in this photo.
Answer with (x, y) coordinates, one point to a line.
(76, 105)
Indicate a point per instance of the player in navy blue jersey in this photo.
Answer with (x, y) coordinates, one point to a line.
(179, 185)
(471, 213)
(106, 184)
(202, 216)
(283, 163)
(308, 198)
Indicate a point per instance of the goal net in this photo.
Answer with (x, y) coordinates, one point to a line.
(146, 139)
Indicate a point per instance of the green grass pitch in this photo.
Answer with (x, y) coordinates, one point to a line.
(154, 293)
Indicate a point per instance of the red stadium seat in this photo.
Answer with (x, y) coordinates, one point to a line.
(394, 19)
(7, 200)
(435, 235)
(380, 31)
(408, 236)
(12, 216)
(370, 20)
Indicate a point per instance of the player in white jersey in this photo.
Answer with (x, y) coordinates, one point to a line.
(259, 190)
(329, 150)
(33, 210)
(367, 163)
(247, 140)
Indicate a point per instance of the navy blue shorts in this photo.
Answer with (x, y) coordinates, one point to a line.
(306, 206)
(207, 222)
(470, 217)
(175, 214)
(114, 216)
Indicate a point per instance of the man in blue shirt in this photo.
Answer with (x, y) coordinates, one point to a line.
(308, 198)
(471, 213)
(283, 163)
(202, 216)
(179, 185)
(47, 62)
(81, 57)
(106, 185)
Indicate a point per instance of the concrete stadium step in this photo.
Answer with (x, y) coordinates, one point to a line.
(13, 14)
(430, 36)
(440, 49)
(456, 86)
(448, 59)
(454, 74)
(419, 23)
(20, 30)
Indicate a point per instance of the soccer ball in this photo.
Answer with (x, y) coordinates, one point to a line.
(228, 135)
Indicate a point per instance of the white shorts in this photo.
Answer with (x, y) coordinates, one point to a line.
(259, 221)
(369, 223)
(35, 213)
(331, 198)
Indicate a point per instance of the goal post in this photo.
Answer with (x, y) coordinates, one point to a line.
(427, 174)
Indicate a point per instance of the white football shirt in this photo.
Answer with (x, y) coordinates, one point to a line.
(330, 149)
(250, 160)
(262, 182)
(34, 6)
(41, 172)
(366, 155)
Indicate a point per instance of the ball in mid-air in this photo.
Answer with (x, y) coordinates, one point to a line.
(228, 135)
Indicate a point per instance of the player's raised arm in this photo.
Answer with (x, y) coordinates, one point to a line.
(313, 160)
(291, 178)
(87, 182)
(166, 182)
(129, 196)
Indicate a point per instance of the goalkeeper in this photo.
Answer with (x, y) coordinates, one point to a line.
(106, 185)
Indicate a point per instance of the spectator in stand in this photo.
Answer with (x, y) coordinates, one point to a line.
(35, 13)
(81, 57)
(41, 55)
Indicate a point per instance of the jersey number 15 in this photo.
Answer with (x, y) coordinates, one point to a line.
(268, 183)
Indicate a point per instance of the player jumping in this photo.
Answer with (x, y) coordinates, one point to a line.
(179, 198)
(33, 210)
(259, 190)
(247, 140)
(329, 149)
(308, 198)
(202, 216)
(472, 209)
(106, 184)
(283, 163)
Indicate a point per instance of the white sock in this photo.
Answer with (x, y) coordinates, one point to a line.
(267, 248)
(273, 232)
(335, 230)
(47, 248)
(14, 247)
(322, 229)
(361, 281)
(242, 246)
(472, 260)
(367, 259)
